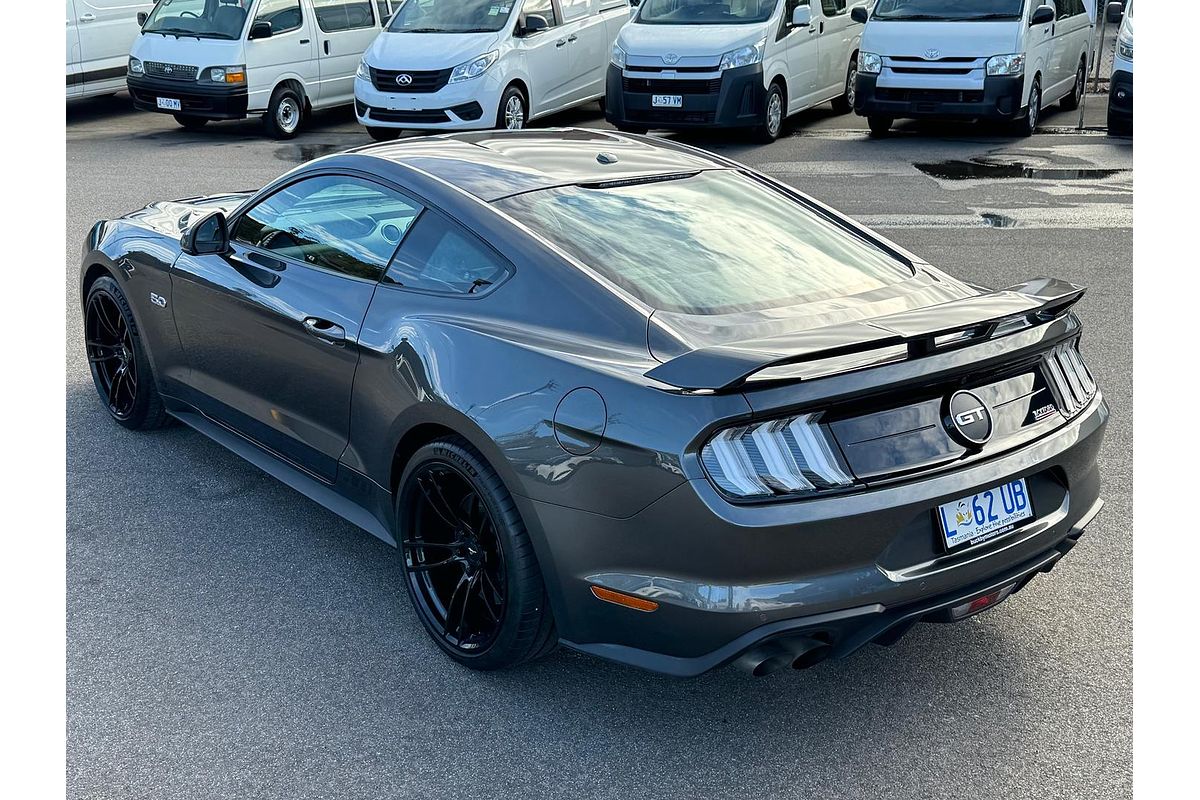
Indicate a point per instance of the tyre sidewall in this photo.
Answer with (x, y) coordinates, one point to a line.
(277, 100)
(147, 391)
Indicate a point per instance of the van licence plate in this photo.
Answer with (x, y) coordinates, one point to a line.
(667, 100)
(170, 104)
(985, 515)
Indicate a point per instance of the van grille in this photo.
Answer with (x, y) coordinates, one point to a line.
(423, 81)
(171, 72)
(654, 86)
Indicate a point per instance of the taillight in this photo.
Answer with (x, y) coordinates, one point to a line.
(1072, 381)
(789, 456)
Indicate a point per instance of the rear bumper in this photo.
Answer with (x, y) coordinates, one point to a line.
(850, 569)
(1000, 99)
(197, 100)
(737, 104)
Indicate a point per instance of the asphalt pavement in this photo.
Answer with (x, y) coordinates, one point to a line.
(226, 637)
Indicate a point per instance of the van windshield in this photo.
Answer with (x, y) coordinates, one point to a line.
(205, 19)
(452, 16)
(948, 10)
(713, 242)
(705, 12)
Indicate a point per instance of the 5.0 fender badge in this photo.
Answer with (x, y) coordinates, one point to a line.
(158, 300)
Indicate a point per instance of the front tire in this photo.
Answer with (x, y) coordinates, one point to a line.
(880, 126)
(774, 111)
(117, 358)
(1027, 126)
(845, 103)
(383, 134)
(284, 114)
(190, 122)
(513, 112)
(468, 563)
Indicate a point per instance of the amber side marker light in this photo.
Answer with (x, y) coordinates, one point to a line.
(636, 603)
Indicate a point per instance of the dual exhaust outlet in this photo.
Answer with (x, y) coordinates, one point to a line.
(799, 652)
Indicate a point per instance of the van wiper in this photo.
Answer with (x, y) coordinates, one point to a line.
(421, 30)
(176, 32)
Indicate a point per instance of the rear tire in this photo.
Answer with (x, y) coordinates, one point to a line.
(117, 358)
(774, 112)
(284, 114)
(880, 126)
(383, 134)
(503, 618)
(1071, 101)
(845, 103)
(190, 122)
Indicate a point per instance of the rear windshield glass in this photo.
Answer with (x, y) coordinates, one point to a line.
(705, 12)
(709, 243)
(954, 10)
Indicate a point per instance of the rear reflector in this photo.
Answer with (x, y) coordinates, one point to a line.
(629, 601)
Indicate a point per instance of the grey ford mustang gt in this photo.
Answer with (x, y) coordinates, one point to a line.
(613, 392)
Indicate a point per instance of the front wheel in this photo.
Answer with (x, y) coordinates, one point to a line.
(383, 134)
(845, 103)
(284, 114)
(190, 122)
(467, 560)
(880, 126)
(773, 113)
(1027, 126)
(512, 114)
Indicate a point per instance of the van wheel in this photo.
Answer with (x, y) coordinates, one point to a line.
(1071, 101)
(845, 103)
(880, 126)
(773, 114)
(190, 122)
(383, 134)
(513, 113)
(1027, 126)
(284, 114)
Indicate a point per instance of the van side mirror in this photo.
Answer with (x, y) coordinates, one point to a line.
(142, 16)
(1115, 10)
(801, 17)
(209, 234)
(859, 14)
(261, 30)
(635, 3)
(534, 23)
(1043, 15)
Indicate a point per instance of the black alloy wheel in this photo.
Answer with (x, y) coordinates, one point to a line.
(468, 562)
(119, 366)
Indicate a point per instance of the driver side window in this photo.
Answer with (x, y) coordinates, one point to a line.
(284, 15)
(333, 222)
(541, 8)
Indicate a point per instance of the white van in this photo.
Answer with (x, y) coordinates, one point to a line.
(472, 64)
(99, 33)
(731, 63)
(228, 59)
(1120, 83)
(988, 59)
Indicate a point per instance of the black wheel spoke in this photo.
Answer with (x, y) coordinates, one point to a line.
(437, 501)
(413, 543)
(487, 606)
(114, 387)
(424, 566)
(468, 593)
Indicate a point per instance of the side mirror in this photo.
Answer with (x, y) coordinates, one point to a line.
(635, 3)
(209, 234)
(801, 17)
(859, 14)
(261, 30)
(534, 23)
(1115, 10)
(1043, 15)
(142, 16)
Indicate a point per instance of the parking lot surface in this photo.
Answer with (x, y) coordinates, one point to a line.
(226, 637)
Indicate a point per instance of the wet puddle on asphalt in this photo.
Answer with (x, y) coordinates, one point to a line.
(957, 170)
(300, 153)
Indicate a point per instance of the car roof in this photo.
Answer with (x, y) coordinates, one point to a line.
(496, 164)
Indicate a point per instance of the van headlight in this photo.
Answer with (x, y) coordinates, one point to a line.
(869, 63)
(135, 67)
(474, 68)
(744, 56)
(364, 71)
(1011, 64)
(792, 456)
(1125, 48)
(228, 75)
(618, 56)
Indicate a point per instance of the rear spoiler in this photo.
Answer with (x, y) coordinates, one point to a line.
(726, 367)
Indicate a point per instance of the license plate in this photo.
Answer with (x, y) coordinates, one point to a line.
(170, 104)
(985, 515)
(667, 101)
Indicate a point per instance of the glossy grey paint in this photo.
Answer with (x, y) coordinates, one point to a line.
(622, 501)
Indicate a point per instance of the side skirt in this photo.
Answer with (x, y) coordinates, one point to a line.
(342, 498)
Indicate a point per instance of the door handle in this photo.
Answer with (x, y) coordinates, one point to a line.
(326, 47)
(87, 18)
(305, 41)
(572, 38)
(325, 330)
(561, 43)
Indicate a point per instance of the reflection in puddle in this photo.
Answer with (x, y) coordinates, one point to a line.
(998, 220)
(300, 153)
(966, 170)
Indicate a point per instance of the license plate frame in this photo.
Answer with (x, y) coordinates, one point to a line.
(170, 103)
(959, 524)
(666, 101)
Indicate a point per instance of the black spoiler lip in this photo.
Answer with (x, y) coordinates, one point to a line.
(727, 367)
